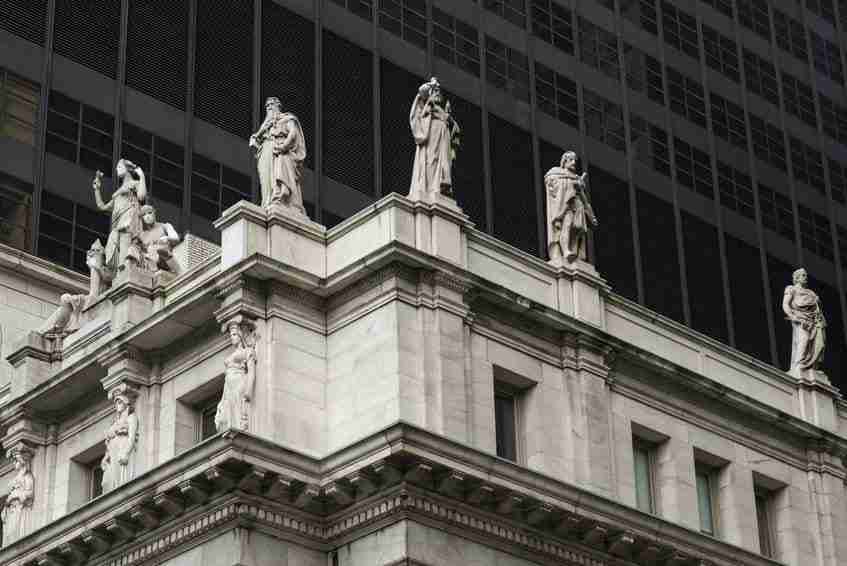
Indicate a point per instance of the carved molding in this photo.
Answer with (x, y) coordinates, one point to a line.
(371, 281)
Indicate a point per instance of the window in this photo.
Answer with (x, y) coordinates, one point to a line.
(89, 34)
(736, 190)
(642, 13)
(764, 521)
(18, 107)
(706, 297)
(798, 99)
(728, 121)
(650, 144)
(722, 6)
(79, 133)
(556, 95)
(455, 41)
(405, 19)
(721, 53)
(761, 77)
(659, 255)
(834, 117)
(693, 168)
(216, 187)
(822, 8)
(510, 10)
(67, 230)
(686, 97)
(753, 14)
(826, 57)
(161, 160)
(644, 459)
(777, 214)
(814, 233)
(615, 249)
(837, 180)
(790, 35)
(807, 165)
(842, 243)
(506, 423)
(15, 209)
(362, 8)
(95, 478)
(679, 30)
(644, 73)
(599, 48)
(507, 68)
(603, 120)
(768, 142)
(553, 23)
(706, 498)
(206, 411)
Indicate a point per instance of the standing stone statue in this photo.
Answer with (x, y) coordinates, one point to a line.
(234, 407)
(152, 248)
(569, 211)
(280, 154)
(803, 308)
(121, 441)
(17, 509)
(125, 207)
(436, 136)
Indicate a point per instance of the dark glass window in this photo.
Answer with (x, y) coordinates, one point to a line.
(815, 234)
(515, 212)
(807, 165)
(468, 184)
(644, 460)
(24, 18)
(556, 95)
(15, 210)
(505, 424)
(703, 272)
(764, 522)
(19, 100)
(822, 8)
(834, 117)
(721, 53)
(779, 274)
(686, 97)
(553, 23)
(833, 358)
(510, 10)
(507, 68)
(659, 255)
(761, 77)
(603, 120)
(67, 230)
(722, 6)
(679, 29)
(736, 190)
(87, 32)
(693, 168)
(777, 214)
(799, 99)
(748, 304)
(455, 41)
(599, 48)
(826, 57)
(768, 142)
(362, 8)
(161, 160)
(753, 14)
(404, 18)
(216, 187)
(837, 180)
(728, 121)
(79, 133)
(642, 13)
(790, 35)
(613, 247)
(650, 144)
(95, 478)
(397, 85)
(348, 141)
(644, 74)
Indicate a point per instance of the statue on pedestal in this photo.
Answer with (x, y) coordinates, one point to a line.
(569, 211)
(234, 406)
(17, 508)
(125, 207)
(121, 441)
(152, 248)
(280, 153)
(808, 341)
(436, 136)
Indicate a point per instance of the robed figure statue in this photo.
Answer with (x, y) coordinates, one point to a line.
(240, 375)
(436, 136)
(569, 211)
(125, 206)
(803, 308)
(16, 512)
(118, 463)
(280, 154)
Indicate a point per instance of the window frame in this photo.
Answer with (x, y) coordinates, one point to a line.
(648, 448)
(510, 392)
(709, 474)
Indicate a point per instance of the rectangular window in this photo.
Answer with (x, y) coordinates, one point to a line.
(362, 8)
(693, 168)
(507, 68)
(768, 142)
(553, 23)
(721, 53)
(67, 230)
(216, 187)
(161, 160)
(642, 13)
(728, 121)
(510, 10)
(603, 120)
(777, 214)
(679, 30)
(650, 144)
(815, 234)
(95, 478)
(722, 6)
(799, 100)
(15, 210)
(455, 41)
(761, 77)
(80, 133)
(842, 243)
(644, 73)
(834, 117)
(823, 8)
(206, 411)
(790, 35)
(18, 107)
(686, 97)
(705, 499)
(753, 14)
(807, 164)
(837, 180)
(405, 19)
(505, 423)
(764, 522)
(736, 190)
(644, 459)
(599, 48)
(826, 57)
(556, 95)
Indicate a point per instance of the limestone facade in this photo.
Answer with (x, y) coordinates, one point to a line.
(382, 348)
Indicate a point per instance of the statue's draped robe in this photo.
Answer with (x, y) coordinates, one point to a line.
(126, 222)
(121, 439)
(17, 509)
(432, 129)
(234, 408)
(281, 174)
(563, 199)
(809, 333)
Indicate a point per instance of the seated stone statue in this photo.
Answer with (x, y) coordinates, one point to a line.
(152, 248)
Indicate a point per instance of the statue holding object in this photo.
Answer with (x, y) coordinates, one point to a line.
(240, 375)
(569, 211)
(437, 137)
(125, 206)
(802, 307)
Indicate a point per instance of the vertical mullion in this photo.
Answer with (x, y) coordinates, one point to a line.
(541, 225)
(318, 109)
(120, 88)
(486, 139)
(257, 95)
(376, 89)
(41, 134)
(188, 135)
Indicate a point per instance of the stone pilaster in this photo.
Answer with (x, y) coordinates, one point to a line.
(816, 401)
(581, 292)
(828, 491)
(439, 229)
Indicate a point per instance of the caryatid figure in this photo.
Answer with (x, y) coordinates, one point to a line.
(569, 211)
(803, 308)
(118, 463)
(436, 136)
(16, 513)
(280, 153)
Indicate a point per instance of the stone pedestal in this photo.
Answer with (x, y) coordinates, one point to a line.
(33, 359)
(439, 229)
(132, 298)
(581, 290)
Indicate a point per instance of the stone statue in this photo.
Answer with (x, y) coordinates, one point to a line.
(280, 153)
(436, 136)
(125, 207)
(234, 407)
(17, 509)
(569, 211)
(121, 441)
(803, 308)
(152, 248)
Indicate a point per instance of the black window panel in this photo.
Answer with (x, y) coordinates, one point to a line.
(722, 6)
(64, 104)
(204, 187)
(92, 139)
(642, 13)
(728, 121)
(505, 426)
(57, 228)
(398, 148)
(556, 95)
(686, 97)
(833, 356)
(205, 166)
(823, 8)
(768, 142)
(169, 150)
(405, 19)
(777, 212)
(721, 53)
(63, 126)
(736, 190)
(704, 275)
(747, 299)
(779, 274)
(693, 168)
(61, 147)
(361, 8)
(837, 180)
(510, 10)
(94, 220)
(507, 68)
(167, 170)
(223, 68)
(614, 249)
(468, 184)
(94, 161)
(790, 35)
(826, 57)
(603, 120)
(204, 208)
(137, 156)
(168, 193)
(753, 14)
(157, 50)
(659, 255)
(799, 99)
(288, 67)
(807, 164)
(87, 32)
(236, 180)
(834, 118)
(553, 23)
(513, 186)
(348, 141)
(229, 198)
(649, 144)
(137, 136)
(95, 118)
(761, 77)
(24, 18)
(644, 74)
(815, 233)
(57, 205)
(54, 251)
(599, 48)
(455, 41)
(679, 29)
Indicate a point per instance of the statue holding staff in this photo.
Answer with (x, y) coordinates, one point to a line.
(802, 307)
(436, 135)
(569, 211)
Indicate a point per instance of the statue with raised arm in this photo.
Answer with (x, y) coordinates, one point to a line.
(152, 248)
(569, 211)
(280, 154)
(125, 206)
(240, 376)
(808, 340)
(17, 508)
(121, 441)
(436, 134)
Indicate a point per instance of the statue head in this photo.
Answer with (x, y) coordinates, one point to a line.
(235, 337)
(21, 456)
(800, 277)
(273, 105)
(95, 255)
(124, 399)
(568, 160)
(148, 215)
(123, 167)
(435, 90)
